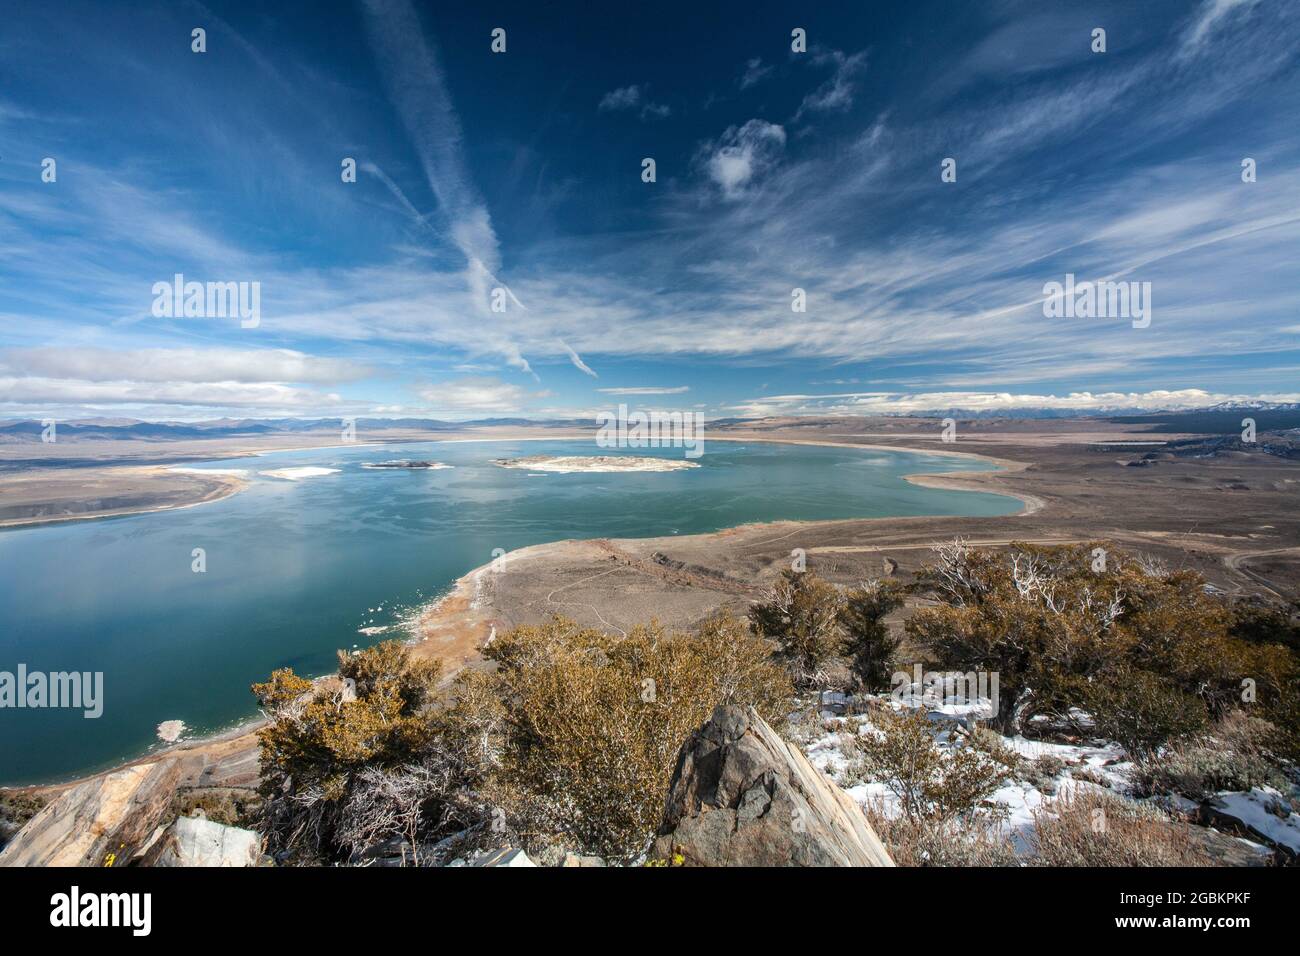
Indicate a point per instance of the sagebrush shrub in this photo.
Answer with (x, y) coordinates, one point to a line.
(1090, 828)
(593, 723)
(1149, 650)
(929, 781)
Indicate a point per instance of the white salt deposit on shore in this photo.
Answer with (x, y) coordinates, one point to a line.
(295, 474)
(593, 463)
(236, 472)
(169, 731)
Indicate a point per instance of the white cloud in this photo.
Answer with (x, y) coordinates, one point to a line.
(578, 363)
(646, 390)
(35, 390)
(743, 154)
(837, 92)
(475, 396)
(754, 73)
(630, 97)
(623, 98)
(180, 365)
(1208, 19)
(886, 403)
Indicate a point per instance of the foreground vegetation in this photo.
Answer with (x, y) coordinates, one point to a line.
(567, 739)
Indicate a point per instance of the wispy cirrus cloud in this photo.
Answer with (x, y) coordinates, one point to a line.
(885, 403)
(837, 92)
(1210, 16)
(635, 98)
(181, 365)
(646, 390)
(1124, 165)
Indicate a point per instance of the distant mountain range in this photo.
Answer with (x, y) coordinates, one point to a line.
(1222, 418)
(110, 429)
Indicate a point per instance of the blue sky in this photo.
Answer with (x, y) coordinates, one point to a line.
(522, 171)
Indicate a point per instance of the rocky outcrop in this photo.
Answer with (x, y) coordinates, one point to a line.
(742, 796)
(195, 841)
(103, 821)
(508, 856)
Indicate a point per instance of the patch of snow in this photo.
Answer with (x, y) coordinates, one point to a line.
(1265, 811)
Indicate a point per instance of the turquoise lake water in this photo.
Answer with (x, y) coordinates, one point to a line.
(294, 568)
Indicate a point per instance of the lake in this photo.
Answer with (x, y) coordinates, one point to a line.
(294, 569)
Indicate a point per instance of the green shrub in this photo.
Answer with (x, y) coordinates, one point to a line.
(1141, 712)
(867, 641)
(802, 618)
(344, 767)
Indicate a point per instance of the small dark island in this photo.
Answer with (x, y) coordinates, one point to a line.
(406, 463)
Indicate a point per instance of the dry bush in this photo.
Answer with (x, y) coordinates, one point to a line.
(1238, 753)
(1089, 828)
(806, 725)
(932, 783)
(957, 841)
(1043, 772)
(1149, 649)
(350, 761)
(15, 810)
(232, 806)
(592, 723)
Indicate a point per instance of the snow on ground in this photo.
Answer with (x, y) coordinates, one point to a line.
(1099, 764)
(1018, 799)
(1265, 811)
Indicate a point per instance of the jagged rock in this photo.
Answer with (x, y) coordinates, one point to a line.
(742, 796)
(100, 822)
(574, 859)
(510, 856)
(196, 841)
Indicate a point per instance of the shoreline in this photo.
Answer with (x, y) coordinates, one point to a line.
(226, 486)
(223, 486)
(455, 626)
